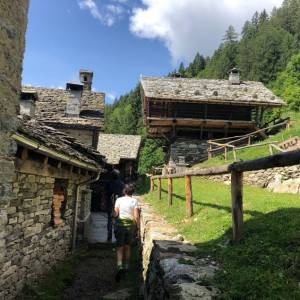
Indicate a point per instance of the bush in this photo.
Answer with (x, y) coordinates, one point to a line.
(151, 155)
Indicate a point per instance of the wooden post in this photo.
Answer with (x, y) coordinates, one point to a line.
(249, 140)
(225, 153)
(234, 153)
(271, 149)
(209, 151)
(170, 191)
(151, 184)
(188, 196)
(159, 189)
(237, 204)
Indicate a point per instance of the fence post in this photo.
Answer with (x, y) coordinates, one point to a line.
(234, 153)
(188, 196)
(225, 153)
(170, 191)
(159, 189)
(237, 204)
(209, 151)
(249, 140)
(151, 184)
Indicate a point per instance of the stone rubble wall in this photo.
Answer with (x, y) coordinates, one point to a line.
(277, 179)
(32, 244)
(190, 149)
(13, 23)
(171, 269)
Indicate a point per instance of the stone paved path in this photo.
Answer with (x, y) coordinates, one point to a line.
(94, 276)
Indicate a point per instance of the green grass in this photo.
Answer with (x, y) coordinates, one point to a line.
(266, 265)
(253, 153)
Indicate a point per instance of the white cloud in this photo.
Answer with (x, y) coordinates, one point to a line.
(106, 14)
(111, 97)
(188, 26)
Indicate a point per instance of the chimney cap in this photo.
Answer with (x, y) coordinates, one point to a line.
(234, 71)
(86, 71)
(74, 86)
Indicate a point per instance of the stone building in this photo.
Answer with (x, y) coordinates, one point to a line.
(77, 110)
(121, 152)
(43, 172)
(188, 112)
(50, 196)
(13, 16)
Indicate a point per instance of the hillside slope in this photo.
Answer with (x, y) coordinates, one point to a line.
(256, 152)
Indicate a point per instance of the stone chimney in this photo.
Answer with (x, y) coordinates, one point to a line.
(234, 76)
(86, 78)
(27, 102)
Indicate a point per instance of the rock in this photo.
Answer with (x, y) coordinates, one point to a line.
(191, 291)
(178, 238)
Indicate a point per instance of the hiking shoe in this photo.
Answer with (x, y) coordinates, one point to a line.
(119, 275)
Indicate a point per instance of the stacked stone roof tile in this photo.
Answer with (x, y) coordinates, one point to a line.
(116, 147)
(209, 91)
(58, 141)
(51, 107)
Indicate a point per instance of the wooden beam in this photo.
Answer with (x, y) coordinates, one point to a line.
(188, 196)
(159, 189)
(59, 165)
(278, 160)
(237, 205)
(24, 155)
(170, 192)
(208, 123)
(220, 170)
(45, 162)
(151, 185)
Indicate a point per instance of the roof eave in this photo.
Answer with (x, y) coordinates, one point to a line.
(38, 147)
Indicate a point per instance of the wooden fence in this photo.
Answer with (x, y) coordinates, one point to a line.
(224, 145)
(236, 170)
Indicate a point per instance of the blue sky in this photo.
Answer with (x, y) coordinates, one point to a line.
(121, 39)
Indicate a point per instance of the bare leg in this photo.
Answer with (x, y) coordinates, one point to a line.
(120, 254)
(127, 256)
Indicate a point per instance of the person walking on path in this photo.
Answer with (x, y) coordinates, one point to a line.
(127, 223)
(115, 190)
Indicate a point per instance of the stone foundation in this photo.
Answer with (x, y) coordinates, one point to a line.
(192, 151)
(171, 269)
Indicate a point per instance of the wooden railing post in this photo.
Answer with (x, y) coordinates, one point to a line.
(159, 189)
(237, 204)
(170, 191)
(225, 153)
(151, 184)
(188, 196)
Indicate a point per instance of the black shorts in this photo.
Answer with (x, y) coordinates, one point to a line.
(124, 235)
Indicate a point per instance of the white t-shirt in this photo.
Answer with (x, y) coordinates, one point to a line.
(126, 207)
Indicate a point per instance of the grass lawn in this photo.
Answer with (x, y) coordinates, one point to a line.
(266, 265)
(257, 152)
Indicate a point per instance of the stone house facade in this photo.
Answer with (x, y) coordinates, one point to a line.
(77, 110)
(50, 195)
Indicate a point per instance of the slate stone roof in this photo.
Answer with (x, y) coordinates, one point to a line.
(51, 107)
(58, 141)
(209, 91)
(116, 147)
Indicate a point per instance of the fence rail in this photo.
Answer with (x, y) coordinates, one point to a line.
(223, 145)
(236, 170)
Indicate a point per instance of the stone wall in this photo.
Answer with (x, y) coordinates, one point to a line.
(13, 21)
(84, 136)
(171, 269)
(33, 244)
(192, 150)
(276, 179)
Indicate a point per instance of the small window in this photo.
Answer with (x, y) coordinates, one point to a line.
(59, 202)
(85, 78)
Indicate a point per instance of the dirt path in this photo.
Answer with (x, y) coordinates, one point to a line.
(94, 276)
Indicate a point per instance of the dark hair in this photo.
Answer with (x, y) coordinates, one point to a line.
(115, 173)
(128, 189)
